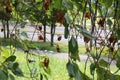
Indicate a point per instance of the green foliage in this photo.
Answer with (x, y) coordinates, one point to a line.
(84, 32)
(73, 70)
(92, 68)
(9, 65)
(103, 63)
(109, 22)
(106, 3)
(118, 60)
(118, 34)
(102, 17)
(24, 34)
(73, 48)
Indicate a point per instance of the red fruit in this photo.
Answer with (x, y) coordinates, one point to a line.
(86, 39)
(46, 62)
(58, 48)
(9, 8)
(59, 16)
(59, 38)
(87, 15)
(40, 37)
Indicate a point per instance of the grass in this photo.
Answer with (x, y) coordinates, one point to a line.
(39, 44)
(57, 67)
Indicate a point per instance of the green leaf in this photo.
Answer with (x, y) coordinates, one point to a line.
(92, 68)
(109, 22)
(11, 77)
(3, 75)
(103, 63)
(18, 72)
(24, 34)
(73, 49)
(56, 4)
(15, 65)
(84, 32)
(67, 4)
(12, 58)
(100, 73)
(78, 76)
(10, 65)
(5, 52)
(106, 3)
(118, 60)
(73, 70)
(66, 31)
(116, 77)
(67, 18)
(73, 45)
(103, 73)
(118, 34)
(70, 69)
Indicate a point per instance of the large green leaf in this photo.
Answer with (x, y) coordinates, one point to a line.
(103, 63)
(11, 77)
(12, 58)
(3, 75)
(100, 73)
(17, 72)
(15, 65)
(84, 32)
(73, 70)
(73, 48)
(73, 45)
(70, 69)
(103, 74)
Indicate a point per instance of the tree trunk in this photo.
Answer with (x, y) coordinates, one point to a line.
(8, 31)
(44, 32)
(52, 33)
(3, 24)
